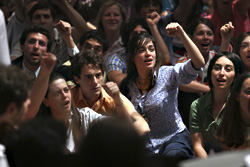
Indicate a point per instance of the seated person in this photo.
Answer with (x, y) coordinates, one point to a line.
(88, 69)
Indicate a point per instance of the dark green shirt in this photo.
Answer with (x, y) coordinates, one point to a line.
(201, 119)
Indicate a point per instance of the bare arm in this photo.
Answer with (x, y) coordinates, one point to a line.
(226, 32)
(123, 111)
(197, 141)
(40, 86)
(80, 25)
(152, 20)
(195, 87)
(174, 29)
(116, 76)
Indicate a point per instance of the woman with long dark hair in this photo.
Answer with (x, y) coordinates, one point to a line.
(153, 91)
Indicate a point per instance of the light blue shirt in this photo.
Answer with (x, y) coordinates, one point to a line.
(159, 106)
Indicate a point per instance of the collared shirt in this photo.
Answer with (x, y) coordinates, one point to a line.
(88, 116)
(34, 72)
(117, 48)
(104, 105)
(159, 105)
(202, 120)
(117, 63)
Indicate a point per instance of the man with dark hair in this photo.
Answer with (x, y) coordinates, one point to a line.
(35, 42)
(43, 14)
(14, 101)
(88, 69)
(94, 40)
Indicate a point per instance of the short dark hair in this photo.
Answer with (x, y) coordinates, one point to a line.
(139, 4)
(96, 35)
(35, 29)
(15, 85)
(198, 21)
(42, 6)
(234, 58)
(84, 58)
(44, 136)
(130, 26)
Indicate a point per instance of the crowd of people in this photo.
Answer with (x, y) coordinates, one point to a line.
(115, 83)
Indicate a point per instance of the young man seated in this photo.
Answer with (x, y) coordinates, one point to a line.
(88, 69)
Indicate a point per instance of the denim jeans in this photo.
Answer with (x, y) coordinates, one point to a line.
(179, 145)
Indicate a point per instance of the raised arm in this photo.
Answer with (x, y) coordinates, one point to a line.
(152, 20)
(174, 29)
(40, 86)
(125, 108)
(226, 32)
(80, 25)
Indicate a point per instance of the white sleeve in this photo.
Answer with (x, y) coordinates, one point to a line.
(4, 48)
(73, 51)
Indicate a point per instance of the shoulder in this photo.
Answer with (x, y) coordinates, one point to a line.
(89, 114)
(18, 61)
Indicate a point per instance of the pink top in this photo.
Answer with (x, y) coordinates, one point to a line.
(240, 22)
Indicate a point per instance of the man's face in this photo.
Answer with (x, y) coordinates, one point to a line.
(33, 49)
(43, 17)
(90, 81)
(92, 44)
(148, 8)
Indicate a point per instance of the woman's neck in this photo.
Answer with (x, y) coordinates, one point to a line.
(220, 96)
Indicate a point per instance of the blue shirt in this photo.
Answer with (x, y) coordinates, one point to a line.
(159, 105)
(117, 63)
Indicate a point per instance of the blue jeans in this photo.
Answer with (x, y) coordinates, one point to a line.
(179, 145)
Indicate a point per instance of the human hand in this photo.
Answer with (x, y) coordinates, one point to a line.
(113, 91)
(48, 62)
(64, 28)
(227, 31)
(174, 29)
(153, 18)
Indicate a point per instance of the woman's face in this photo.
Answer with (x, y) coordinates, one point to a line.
(245, 52)
(145, 57)
(59, 99)
(112, 18)
(223, 73)
(244, 98)
(203, 38)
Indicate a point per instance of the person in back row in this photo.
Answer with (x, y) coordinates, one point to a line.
(88, 70)
(35, 42)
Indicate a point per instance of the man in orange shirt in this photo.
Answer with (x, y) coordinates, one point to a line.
(88, 69)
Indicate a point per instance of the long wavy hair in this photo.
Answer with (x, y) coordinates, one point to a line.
(231, 130)
(76, 118)
(134, 45)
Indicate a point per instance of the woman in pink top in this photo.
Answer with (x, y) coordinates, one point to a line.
(235, 11)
